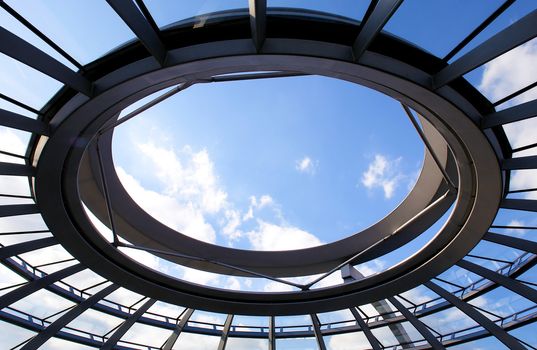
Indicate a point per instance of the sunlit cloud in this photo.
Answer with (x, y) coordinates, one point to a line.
(383, 173)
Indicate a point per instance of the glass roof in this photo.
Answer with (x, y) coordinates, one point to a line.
(266, 164)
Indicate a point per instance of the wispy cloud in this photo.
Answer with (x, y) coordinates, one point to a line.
(270, 236)
(306, 165)
(383, 173)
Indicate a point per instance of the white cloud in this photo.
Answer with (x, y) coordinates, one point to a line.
(184, 217)
(270, 236)
(383, 173)
(306, 165)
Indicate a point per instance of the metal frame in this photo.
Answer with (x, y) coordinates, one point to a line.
(449, 91)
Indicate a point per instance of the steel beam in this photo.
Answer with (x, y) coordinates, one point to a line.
(420, 327)
(129, 13)
(513, 114)
(18, 49)
(20, 122)
(373, 25)
(272, 333)
(125, 326)
(513, 242)
(317, 331)
(470, 311)
(25, 247)
(65, 319)
(375, 345)
(516, 34)
(258, 21)
(225, 332)
(37, 284)
(18, 209)
(519, 204)
(519, 163)
(509, 283)
(170, 342)
(16, 169)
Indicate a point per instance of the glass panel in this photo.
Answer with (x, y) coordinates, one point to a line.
(145, 335)
(165, 309)
(349, 341)
(17, 28)
(31, 222)
(95, 322)
(201, 342)
(296, 344)
(526, 334)
(247, 343)
(56, 343)
(501, 303)
(85, 29)
(501, 253)
(48, 255)
(354, 9)
(11, 335)
(490, 343)
(25, 84)
(509, 73)
(8, 278)
(439, 26)
(126, 298)
(85, 279)
(530, 277)
(166, 12)
(42, 304)
(523, 180)
(451, 320)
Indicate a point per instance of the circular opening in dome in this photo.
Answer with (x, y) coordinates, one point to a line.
(269, 164)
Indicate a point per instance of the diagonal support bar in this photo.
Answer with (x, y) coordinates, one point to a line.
(129, 13)
(470, 311)
(25, 247)
(125, 326)
(225, 332)
(516, 34)
(373, 25)
(65, 319)
(20, 122)
(12, 169)
(18, 49)
(170, 342)
(37, 284)
(375, 345)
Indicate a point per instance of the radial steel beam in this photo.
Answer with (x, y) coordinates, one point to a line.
(37, 284)
(375, 345)
(373, 25)
(20, 122)
(16, 169)
(258, 21)
(18, 209)
(225, 332)
(420, 327)
(18, 49)
(170, 342)
(125, 326)
(470, 311)
(513, 114)
(25, 247)
(519, 204)
(519, 163)
(509, 283)
(509, 38)
(65, 319)
(129, 13)
(513, 242)
(272, 333)
(479, 29)
(317, 331)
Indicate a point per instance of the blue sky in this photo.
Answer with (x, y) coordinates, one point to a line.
(310, 159)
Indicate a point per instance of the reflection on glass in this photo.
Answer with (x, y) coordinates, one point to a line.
(167, 12)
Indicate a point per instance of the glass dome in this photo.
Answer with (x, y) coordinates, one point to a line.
(165, 244)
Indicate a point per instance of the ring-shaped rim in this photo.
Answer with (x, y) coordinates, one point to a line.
(80, 120)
